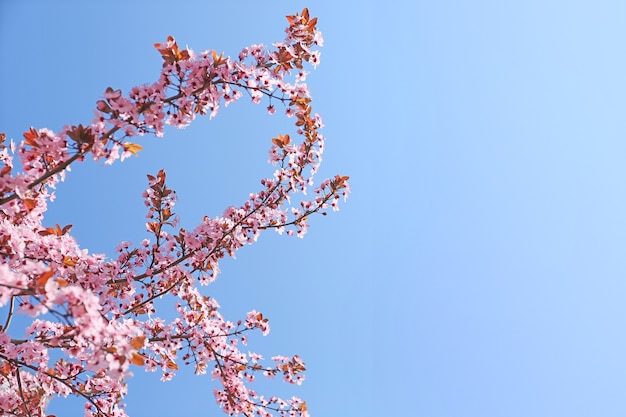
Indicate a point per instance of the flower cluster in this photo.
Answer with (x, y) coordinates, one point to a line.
(93, 317)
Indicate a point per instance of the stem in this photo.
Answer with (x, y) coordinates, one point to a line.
(82, 152)
(7, 323)
(76, 391)
(21, 391)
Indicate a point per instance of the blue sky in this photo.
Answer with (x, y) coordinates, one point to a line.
(478, 267)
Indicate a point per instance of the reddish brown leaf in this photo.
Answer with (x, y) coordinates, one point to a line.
(137, 342)
(132, 147)
(137, 359)
(30, 204)
(31, 136)
(69, 261)
(43, 278)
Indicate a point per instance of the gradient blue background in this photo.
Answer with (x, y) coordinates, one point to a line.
(478, 268)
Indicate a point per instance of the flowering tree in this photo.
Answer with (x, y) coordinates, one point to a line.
(93, 317)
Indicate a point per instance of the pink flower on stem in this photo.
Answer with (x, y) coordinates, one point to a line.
(98, 318)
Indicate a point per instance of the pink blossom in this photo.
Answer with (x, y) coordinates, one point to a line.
(100, 317)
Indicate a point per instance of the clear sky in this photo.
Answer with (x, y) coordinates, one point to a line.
(478, 268)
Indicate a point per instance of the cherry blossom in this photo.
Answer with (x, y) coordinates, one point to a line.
(95, 319)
